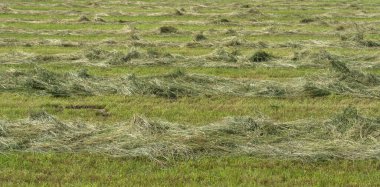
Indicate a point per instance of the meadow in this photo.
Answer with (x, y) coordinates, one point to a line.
(192, 93)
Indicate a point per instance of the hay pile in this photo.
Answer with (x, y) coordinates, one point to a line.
(348, 135)
(114, 57)
(311, 58)
(345, 81)
(221, 55)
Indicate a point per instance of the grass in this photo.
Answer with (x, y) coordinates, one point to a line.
(50, 26)
(194, 110)
(83, 169)
(192, 84)
(251, 73)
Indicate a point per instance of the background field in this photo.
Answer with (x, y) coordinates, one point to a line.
(190, 93)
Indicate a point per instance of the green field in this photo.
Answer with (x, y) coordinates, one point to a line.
(192, 93)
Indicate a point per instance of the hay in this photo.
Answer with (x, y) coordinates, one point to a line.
(307, 20)
(359, 38)
(97, 55)
(348, 135)
(120, 58)
(314, 91)
(5, 9)
(99, 19)
(168, 29)
(223, 20)
(179, 12)
(200, 37)
(233, 42)
(354, 76)
(344, 81)
(222, 55)
(84, 19)
(231, 32)
(307, 57)
(341, 80)
(260, 56)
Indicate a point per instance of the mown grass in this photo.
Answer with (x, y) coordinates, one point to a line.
(53, 169)
(31, 17)
(228, 72)
(28, 25)
(193, 110)
(54, 26)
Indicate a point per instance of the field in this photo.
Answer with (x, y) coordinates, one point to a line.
(192, 93)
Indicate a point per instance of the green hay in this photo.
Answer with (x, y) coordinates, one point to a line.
(359, 39)
(168, 29)
(354, 76)
(314, 91)
(340, 81)
(222, 55)
(97, 54)
(200, 37)
(348, 135)
(111, 57)
(313, 58)
(344, 81)
(260, 56)
(224, 20)
(307, 20)
(178, 12)
(84, 19)
(234, 42)
(121, 58)
(99, 19)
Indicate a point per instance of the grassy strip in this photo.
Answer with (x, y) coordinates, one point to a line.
(116, 71)
(194, 110)
(82, 169)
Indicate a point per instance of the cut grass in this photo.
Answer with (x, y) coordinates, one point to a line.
(55, 26)
(160, 141)
(42, 29)
(194, 110)
(82, 169)
(245, 73)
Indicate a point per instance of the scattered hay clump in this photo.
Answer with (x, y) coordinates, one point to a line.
(354, 77)
(307, 20)
(168, 29)
(223, 55)
(359, 39)
(222, 21)
(200, 37)
(260, 56)
(313, 58)
(99, 19)
(314, 91)
(84, 19)
(178, 12)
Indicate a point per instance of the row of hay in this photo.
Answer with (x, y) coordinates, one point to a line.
(219, 57)
(341, 80)
(348, 135)
(344, 80)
